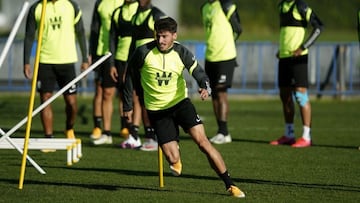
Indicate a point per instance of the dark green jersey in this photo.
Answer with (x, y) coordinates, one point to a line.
(62, 25)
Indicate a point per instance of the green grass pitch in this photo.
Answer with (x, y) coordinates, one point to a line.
(329, 171)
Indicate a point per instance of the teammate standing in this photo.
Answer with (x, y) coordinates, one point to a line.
(295, 15)
(104, 84)
(143, 32)
(222, 26)
(62, 26)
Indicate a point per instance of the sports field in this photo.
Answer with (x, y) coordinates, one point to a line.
(327, 172)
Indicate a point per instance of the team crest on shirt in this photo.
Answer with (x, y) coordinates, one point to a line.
(163, 78)
(55, 22)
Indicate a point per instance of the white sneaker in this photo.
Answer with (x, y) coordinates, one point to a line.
(131, 143)
(149, 145)
(104, 139)
(221, 139)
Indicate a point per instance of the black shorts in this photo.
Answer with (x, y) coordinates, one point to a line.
(49, 74)
(102, 73)
(166, 122)
(293, 72)
(221, 72)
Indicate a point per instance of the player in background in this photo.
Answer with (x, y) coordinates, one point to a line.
(295, 15)
(57, 63)
(105, 86)
(143, 32)
(222, 27)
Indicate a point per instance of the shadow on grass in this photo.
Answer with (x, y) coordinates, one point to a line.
(333, 187)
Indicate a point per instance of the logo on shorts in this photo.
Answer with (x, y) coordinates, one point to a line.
(197, 119)
(163, 78)
(72, 89)
(222, 79)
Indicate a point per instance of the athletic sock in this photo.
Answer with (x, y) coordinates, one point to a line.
(149, 132)
(222, 127)
(289, 130)
(134, 131)
(107, 132)
(123, 122)
(97, 121)
(226, 178)
(306, 133)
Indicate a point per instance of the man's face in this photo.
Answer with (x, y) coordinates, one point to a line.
(165, 40)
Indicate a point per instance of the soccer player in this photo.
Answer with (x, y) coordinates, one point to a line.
(156, 74)
(293, 71)
(143, 31)
(105, 86)
(222, 26)
(120, 41)
(62, 26)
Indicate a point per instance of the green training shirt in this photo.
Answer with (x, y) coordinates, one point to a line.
(291, 37)
(220, 43)
(158, 76)
(58, 39)
(122, 28)
(103, 12)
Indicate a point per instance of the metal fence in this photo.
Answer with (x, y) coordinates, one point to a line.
(334, 69)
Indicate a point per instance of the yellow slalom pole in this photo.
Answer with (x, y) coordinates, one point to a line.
(161, 167)
(32, 95)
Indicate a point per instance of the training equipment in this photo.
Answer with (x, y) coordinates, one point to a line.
(72, 146)
(161, 167)
(283, 140)
(221, 139)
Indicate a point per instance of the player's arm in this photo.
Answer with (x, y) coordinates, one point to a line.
(233, 17)
(94, 30)
(132, 80)
(80, 35)
(30, 30)
(314, 21)
(113, 36)
(195, 70)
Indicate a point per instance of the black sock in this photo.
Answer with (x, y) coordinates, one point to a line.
(97, 121)
(149, 133)
(222, 127)
(107, 132)
(227, 180)
(123, 122)
(49, 135)
(134, 131)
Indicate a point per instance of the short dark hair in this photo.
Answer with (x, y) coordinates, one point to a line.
(166, 24)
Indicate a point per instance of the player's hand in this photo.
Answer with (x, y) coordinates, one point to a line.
(128, 116)
(27, 71)
(84, 66)
(114, 74)
(203, 93)
(298, 52)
